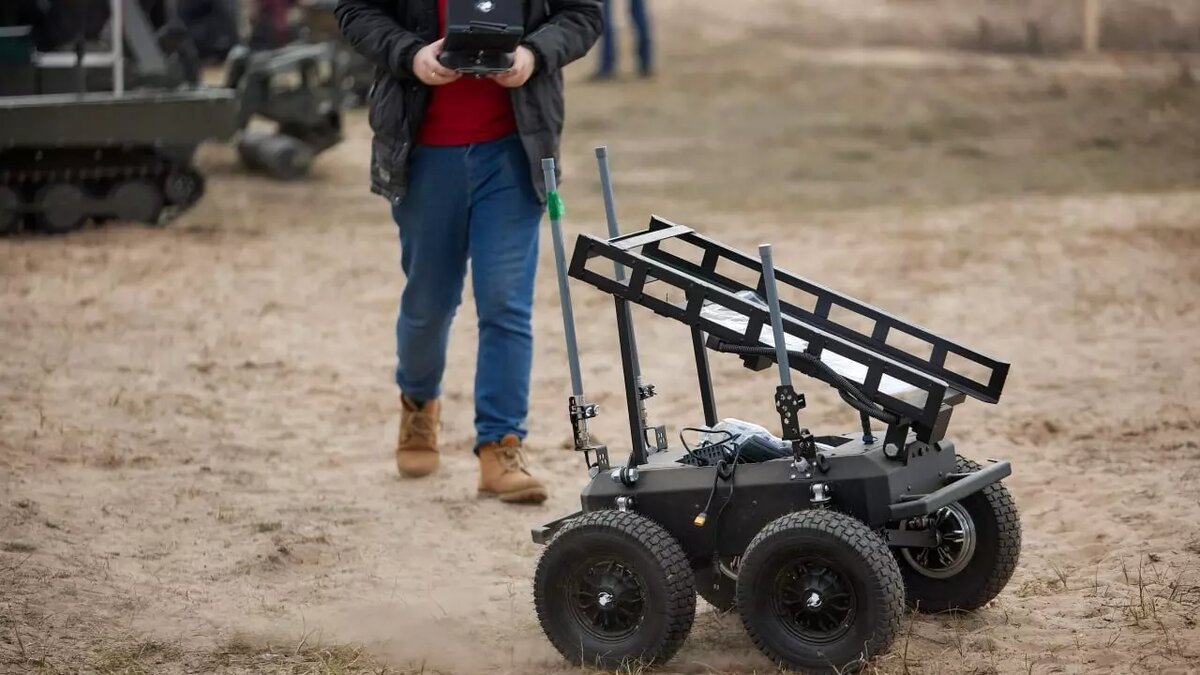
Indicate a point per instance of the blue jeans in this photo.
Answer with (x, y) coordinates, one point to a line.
(608, 40)
(470, 202)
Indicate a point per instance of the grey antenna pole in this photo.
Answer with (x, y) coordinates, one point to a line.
(555, 209)
(580, 410)
(614, 231)
(787, 402)
(117, 8)
(781, 355)
(610, 207)
(644, 391)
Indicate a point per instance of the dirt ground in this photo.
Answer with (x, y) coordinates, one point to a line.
(1021, 26)
(195, 422)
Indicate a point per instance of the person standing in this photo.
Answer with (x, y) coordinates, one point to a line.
(459, 158)
(607, 68)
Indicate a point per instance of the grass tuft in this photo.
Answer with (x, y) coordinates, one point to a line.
(306, 657)
(17, 547)
(135, 659)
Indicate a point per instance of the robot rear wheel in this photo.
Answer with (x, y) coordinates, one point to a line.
(978, 544)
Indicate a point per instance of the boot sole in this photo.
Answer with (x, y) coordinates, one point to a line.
(418, 473)
(533, 495)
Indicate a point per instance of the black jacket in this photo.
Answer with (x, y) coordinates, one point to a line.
(389, 33)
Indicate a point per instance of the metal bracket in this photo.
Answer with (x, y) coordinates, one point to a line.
(911, 506)
(788, 404)
(918, 538)
(805, 448)
(601, 463)
(659, 441)
(580, 412)
(646, 391)
(601, 456)
(544, 533)
(896, 437)
(820, 495)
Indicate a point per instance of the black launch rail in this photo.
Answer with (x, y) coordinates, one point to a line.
(908, 371)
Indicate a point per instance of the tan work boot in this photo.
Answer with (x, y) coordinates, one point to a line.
(504, 474)
(417, 451)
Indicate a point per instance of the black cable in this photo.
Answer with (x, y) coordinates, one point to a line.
(725, 469)
(703, 430)
(869, 410)
(702, 517)
(867, 437)
(728, 500)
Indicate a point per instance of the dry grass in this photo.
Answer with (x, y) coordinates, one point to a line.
(239, 654)
(136, 658)
(244, 653)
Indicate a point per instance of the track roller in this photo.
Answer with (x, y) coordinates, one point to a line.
(10, 210)
(136, 200)
(62, 207)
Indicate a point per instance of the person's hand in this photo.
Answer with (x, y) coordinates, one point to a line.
(522, 69)
(427, 69)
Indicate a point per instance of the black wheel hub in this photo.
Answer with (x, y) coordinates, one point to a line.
(607, 598)
(954, 530)
(813, 600)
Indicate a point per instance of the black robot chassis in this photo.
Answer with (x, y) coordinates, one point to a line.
(818, 542)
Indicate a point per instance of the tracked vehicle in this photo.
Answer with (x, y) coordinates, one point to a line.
(66, 158)
(77, 144)
(817, 541)
(94, 135)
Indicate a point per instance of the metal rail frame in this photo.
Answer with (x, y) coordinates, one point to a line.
(827, 298)
(642, 256)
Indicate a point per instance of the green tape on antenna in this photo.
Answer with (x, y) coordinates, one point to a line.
(554, 204)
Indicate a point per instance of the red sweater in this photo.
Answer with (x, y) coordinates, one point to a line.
(468, 110)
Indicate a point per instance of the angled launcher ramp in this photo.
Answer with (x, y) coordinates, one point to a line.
(906, 369)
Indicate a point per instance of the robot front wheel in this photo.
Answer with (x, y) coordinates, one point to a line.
(819, 592)
(614, 588)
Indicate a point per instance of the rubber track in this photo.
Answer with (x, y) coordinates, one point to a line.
(867, 544)
(1008, 536)
(681, 587)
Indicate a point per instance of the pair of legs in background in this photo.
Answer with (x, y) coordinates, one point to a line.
(608, 41)
(471, 203)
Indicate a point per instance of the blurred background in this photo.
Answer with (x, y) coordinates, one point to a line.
(196, 403)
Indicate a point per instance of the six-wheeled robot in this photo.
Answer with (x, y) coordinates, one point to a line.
(818, 542)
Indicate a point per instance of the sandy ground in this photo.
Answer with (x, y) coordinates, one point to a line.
(195, 422)
(1020, 26)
